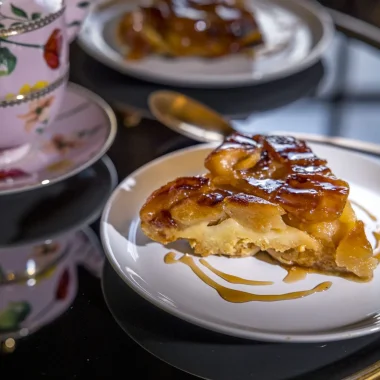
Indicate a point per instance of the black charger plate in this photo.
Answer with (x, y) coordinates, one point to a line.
(119, 89)
(49, 211)
(209, 355)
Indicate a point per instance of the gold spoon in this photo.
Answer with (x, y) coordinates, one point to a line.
(197, 121)
(188, 117)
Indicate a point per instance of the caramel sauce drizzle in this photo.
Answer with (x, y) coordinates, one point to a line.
(296, 273)
(372, 217)
(238, 296)
(376, 234)
(231, 278)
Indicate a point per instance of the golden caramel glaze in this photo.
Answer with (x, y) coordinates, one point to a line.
(282, 170)
(156, 216)
(217, 221)
(264, 193)
(188, 201)
(179, 28)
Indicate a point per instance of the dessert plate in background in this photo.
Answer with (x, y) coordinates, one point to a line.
(296, 33)
(82, 132)
(347, 310)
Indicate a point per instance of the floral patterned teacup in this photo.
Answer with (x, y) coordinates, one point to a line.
(34, 64)
(38, 282)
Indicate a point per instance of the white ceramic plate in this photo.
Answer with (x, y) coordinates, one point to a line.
(296, 33)
(347, 310)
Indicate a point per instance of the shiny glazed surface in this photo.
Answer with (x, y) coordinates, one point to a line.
(178, 28)
(102, 351)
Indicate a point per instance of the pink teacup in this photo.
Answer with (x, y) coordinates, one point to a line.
(34, 65)
(38, 282)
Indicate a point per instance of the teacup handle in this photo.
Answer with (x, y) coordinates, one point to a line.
(89, 255)
(76, 11)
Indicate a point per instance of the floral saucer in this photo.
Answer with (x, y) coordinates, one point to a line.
(39, 281)
(82, 132)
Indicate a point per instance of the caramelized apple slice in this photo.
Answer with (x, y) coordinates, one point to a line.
(354, 253)
(237, 153)
(156, 219)
(282, 170)
(314, 197)
(254, 213)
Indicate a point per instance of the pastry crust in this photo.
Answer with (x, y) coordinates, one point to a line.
(269, 193)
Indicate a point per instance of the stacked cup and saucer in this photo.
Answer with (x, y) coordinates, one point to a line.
(54, 175)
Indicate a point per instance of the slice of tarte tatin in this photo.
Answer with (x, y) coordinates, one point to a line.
(264, 193)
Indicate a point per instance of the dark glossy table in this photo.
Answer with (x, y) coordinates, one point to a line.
(337, 97)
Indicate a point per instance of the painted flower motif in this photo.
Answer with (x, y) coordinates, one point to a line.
(63, 286)
(8, 61)
(89, 132)
(13, 315)
(39, 110)
(45, 250)
(60, 166)
(61, 144)
(26, 89)
(12, 174)
(52, 49)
